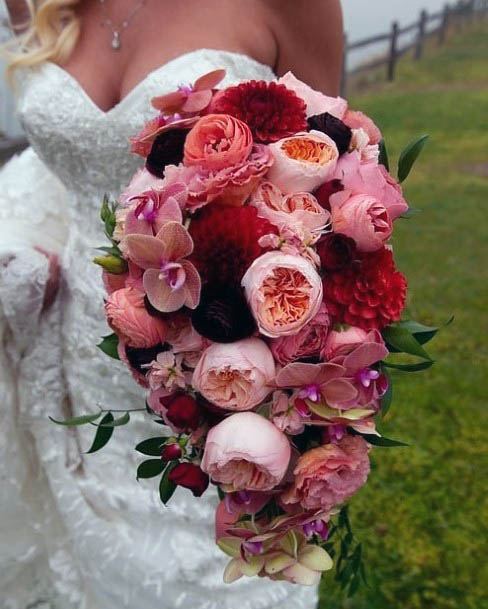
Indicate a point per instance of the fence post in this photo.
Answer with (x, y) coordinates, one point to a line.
(419, 47)
(444, 25)
(392, 60)
(344, 69)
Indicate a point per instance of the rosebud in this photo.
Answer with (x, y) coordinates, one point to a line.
(336, 251)
(183, 412)
(112, 264)
(171, 452)
(191, 477)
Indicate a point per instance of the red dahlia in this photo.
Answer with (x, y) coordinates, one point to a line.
(226, 242)
(370, 294)
(270, 110)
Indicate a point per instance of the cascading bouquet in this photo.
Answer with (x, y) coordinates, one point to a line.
(252, 290)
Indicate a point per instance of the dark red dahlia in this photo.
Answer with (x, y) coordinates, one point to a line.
(336, 251)
(226, 242)
(370, 294)
(271, 111)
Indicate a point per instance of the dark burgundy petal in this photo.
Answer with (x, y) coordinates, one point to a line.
(334, 128)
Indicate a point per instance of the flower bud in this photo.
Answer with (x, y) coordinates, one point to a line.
(112, 264)
(171, 452)
(191, 477)
(183, 412)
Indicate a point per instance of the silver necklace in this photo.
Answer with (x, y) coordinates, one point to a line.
(115, 28)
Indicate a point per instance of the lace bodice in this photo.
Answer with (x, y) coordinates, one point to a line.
(111, 544)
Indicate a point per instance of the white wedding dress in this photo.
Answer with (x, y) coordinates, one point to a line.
(78, 531)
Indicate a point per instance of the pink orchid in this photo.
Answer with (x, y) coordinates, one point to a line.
(190, 99)
(169, 280)
(370, 383)
(165, 372)
(152, 209)
(319, 383)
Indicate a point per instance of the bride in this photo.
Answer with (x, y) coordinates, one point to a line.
(76, 530)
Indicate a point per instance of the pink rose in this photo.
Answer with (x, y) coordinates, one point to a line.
(369, 178)
(329, 475)
(303, 162)
(284, 293)
(317, 103)
(362, 218)
(357, 120)
(290, 210)
(142, 181)
(129, 319)
(218, 141)
(235, 376)
(246, 452)
(342, 342)
(310, 341)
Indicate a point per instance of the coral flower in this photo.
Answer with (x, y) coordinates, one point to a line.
(189, 99)
(218, 141)
(169, 280)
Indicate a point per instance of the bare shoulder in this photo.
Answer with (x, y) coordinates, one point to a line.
(18, 14)
(309, 38)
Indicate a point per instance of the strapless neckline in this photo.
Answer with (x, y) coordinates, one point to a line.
(183, 57)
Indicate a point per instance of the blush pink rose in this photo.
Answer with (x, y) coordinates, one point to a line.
(129, 319)
(218, 141)
(357, 120)
(369, 178)
(246, 452)
(284, 293)
(362, 218)
(303, 161)
(317, 103)
(309, 342)
(235, 376)
(329, 475)
(342, 342)
(299, 209)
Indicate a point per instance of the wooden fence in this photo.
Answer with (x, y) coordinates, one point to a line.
(412, 37)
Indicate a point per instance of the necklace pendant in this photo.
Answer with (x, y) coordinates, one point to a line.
(116, 41)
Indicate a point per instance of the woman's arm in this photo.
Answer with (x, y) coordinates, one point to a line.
(310, 41)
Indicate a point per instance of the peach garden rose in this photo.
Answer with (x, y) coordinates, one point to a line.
(238, 456)
(284, 293)
(235, 376)
(303, 161)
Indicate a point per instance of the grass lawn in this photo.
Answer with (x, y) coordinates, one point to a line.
(423, 516)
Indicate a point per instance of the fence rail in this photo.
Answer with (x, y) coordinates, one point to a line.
(427, 26)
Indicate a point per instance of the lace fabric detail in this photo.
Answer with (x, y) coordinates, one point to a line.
(97, 539)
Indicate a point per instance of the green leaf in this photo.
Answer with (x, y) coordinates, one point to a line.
(354, 586)
(410, 367)
(109, 345)
(107, 215)
(383, 158)
(401, 339)
(166, 487)
(387, 399)
(152, 447)
(409, 155)
(423, 333)
(150, 468)
(75, 421)
(378, 440)
(220, 493)
(344, 519)
(103, 434)
(123, 420)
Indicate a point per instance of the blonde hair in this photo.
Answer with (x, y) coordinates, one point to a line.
(50, 35)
